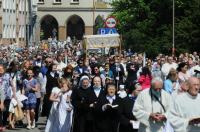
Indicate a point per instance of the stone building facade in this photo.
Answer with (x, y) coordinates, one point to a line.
(74, 18)
(12, 25)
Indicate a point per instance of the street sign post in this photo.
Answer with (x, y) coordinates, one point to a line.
(103, 31)
(111, 22)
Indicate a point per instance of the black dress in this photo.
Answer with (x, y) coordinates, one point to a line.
(110, 118)
(80, 102)
(95, 113)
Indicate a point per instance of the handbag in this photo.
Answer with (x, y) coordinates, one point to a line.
(19, 115)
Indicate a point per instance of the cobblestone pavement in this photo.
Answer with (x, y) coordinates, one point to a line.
(40, 127)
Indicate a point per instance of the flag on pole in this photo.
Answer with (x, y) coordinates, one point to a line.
(144, 59)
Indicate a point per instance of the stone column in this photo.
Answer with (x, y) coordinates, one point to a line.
(62, 33)
(88, 30)
(1, 30)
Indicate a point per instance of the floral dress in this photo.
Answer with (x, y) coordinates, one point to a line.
(30, 103)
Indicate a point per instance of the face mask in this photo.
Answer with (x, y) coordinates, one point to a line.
(68, 74)
(29, 76)
(96, 87)
(156, 93)
(116, 63)
(54, 71)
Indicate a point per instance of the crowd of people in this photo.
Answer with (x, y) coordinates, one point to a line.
(125, 92)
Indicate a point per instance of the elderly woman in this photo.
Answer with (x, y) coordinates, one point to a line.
(111, 107)
(80, 101)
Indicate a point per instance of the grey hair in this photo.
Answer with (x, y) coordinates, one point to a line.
(156, 79)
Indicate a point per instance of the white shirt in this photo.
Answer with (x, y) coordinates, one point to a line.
(111, 98)
(52, 74)
(61, 65)
(97, 91)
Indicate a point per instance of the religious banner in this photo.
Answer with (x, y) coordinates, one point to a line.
(102, 41)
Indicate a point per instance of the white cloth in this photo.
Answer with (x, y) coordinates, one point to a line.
(60, 119)
(168, 127)
(166, 68)
(197, 67)
(144, 106)
(65, 116)
(122, 94)
(52, 122)
(14, 102)
(41, 83)
(135, 124)
(183, 76)
(61, 65)
(184, 108)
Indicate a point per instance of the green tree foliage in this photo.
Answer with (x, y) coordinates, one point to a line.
(146, 25)
(99, 23)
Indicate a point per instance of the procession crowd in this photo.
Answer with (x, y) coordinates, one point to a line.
(125, 92)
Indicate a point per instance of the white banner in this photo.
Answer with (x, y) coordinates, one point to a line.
(102, 41)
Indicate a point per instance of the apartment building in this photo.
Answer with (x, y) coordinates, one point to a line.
(15, 18)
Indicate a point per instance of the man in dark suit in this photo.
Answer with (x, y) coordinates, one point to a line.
(81, 68)
(118, 71)
(127, 120)
(52, 81)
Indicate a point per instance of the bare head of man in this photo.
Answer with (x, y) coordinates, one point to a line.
(194, 86)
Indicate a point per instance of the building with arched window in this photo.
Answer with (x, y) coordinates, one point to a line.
(75, 18)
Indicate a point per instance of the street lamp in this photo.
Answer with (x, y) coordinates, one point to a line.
(173, 41)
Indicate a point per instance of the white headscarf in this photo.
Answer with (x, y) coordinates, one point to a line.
(84, 78)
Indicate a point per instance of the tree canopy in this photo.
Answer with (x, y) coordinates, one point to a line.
(146, 25)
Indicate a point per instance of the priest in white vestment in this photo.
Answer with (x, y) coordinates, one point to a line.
(184, 115)
(152, 106)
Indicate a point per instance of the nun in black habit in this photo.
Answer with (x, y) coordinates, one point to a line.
(111, 108)
(81, 103)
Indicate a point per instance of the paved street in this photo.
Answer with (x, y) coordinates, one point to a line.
(40, 127)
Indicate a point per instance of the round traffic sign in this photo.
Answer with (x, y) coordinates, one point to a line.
(110, 22)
